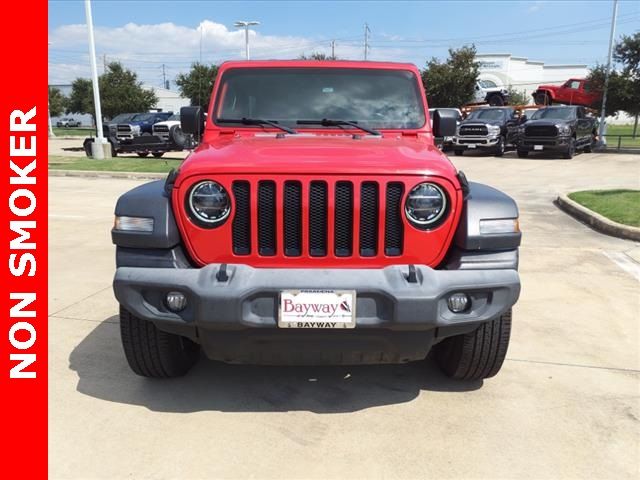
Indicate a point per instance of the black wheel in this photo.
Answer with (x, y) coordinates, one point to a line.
(143, 154)
(496, 100)
(153, 353)
(177, 136)
(457, 152)
(571, 149)
(592, 142)
(499, 148)
(157, 154)
(523, 153)
(87, 147)
(476, 355)
(542, 98)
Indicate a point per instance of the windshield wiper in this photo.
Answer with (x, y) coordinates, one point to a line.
(326, 122)
(257, 121)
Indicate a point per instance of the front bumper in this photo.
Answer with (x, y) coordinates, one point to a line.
(463, 142)
(547, 143)
(249, 297)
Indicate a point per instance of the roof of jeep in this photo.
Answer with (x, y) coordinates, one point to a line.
(318, 64)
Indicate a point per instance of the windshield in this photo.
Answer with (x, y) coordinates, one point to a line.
(374, 98)
(143, 117)
(486, 114)
(123, 117)
(560, 113)
(487, 84)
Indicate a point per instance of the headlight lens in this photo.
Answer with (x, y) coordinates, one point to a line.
(564, 129)
(494, 129)
(209, 203)
(425, 205)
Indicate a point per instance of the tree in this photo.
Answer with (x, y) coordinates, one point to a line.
(57, 102)
(81, 98)
(197, 85)
(623, 93)
(120, 92)
(518, 97)
(318, 56)
(627, 52)
(451, 83)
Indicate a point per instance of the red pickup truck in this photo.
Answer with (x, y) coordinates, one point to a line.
(575, 91)
(316, 222)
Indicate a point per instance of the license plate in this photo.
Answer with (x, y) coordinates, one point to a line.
(538, 147)
(317, 309)
(471, 145)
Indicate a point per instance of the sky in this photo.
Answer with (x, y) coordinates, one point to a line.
(159, 39)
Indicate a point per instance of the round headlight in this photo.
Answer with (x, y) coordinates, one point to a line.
(425, 205)
(209, 203)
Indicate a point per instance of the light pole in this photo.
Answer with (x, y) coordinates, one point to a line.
(98, 149)
(244, 24)
(601, 138)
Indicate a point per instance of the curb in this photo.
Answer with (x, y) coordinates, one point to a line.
(596, 221)
(107, 174)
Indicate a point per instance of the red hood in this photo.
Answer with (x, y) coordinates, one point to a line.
(317, 154)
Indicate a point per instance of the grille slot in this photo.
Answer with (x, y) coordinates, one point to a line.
(242, 218)
(394, 228)
(267, 218)
(318, 219)
(292, 212)
(343, 230)
(369, 219)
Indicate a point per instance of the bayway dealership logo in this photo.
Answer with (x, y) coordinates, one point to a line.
(317, 309)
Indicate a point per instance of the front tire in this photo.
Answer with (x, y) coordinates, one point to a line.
(499, 148)
(143, 154)
(478, 354)
(153, 353)
(523, 153)
(571, 149)
(158, 154)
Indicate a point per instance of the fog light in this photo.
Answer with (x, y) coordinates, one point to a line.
(458, 302)
(176, 301)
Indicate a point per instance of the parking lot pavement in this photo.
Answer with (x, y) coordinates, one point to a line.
(565, 405)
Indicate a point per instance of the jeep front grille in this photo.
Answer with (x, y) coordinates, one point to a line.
(317, 216)
(160, 128)
(124, 128)
(541, 131)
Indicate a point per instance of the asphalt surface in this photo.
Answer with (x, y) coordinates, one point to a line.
(566, 403)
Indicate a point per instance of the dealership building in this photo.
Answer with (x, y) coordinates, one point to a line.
(520, 73)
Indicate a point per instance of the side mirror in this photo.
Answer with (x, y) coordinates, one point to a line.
(444, 123)
(192, 120)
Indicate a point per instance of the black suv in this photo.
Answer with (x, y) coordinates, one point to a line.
(494, 129)
(558, 129)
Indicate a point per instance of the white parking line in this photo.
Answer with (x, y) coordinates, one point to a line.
(625, 262)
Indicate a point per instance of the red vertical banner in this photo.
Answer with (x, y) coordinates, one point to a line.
(23, 350)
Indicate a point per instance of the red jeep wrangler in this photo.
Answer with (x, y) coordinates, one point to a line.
(575, 91)
(316, 223)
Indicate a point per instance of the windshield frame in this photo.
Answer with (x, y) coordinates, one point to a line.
(220, 90)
